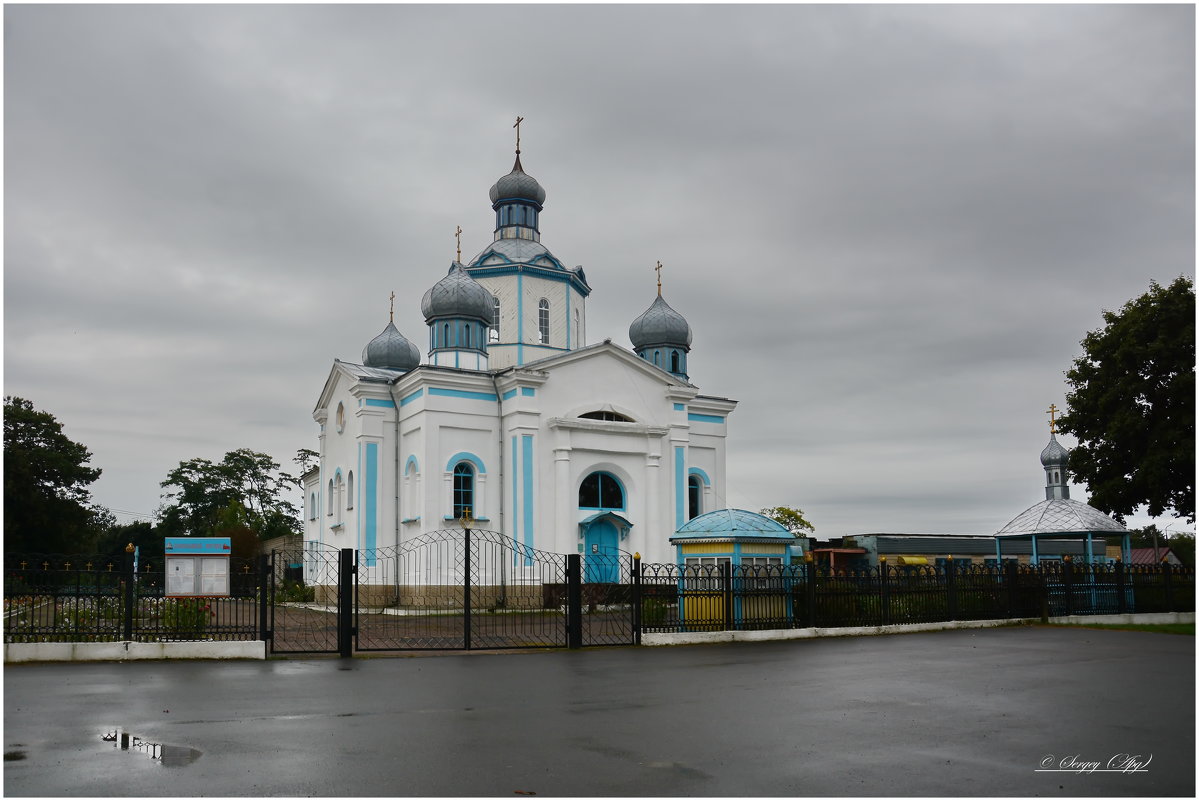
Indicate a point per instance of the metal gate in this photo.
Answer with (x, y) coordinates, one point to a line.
(460, 589)
(308, 593)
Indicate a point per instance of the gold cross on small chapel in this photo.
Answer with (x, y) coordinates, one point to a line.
(1052, 423)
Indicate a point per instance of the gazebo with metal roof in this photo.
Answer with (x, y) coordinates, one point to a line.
(1058, 516)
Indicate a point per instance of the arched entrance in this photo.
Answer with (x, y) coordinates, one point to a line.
(602, 493)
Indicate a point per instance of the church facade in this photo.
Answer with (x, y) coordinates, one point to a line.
(512, 420)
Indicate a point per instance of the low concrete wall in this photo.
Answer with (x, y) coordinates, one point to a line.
(696, 637)
(125, 651)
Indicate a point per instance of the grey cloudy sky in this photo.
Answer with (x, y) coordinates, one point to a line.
(889, 226)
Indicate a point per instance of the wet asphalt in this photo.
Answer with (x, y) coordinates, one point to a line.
(954, 713)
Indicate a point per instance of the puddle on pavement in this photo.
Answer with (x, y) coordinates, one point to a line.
(171, 756)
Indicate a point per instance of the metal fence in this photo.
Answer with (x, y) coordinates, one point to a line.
(724, 597)
(80, 598)
(337, 601)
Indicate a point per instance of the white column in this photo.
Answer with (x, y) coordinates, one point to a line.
(566, 534)
(652, 532)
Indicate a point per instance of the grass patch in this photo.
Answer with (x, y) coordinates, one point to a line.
(1160, 628)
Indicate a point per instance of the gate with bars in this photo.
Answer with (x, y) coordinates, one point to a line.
(458, 589)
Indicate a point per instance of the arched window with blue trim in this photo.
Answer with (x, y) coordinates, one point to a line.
(601, 490)
(464, 489)
(674, 361)
(350, 490)
(695, 496)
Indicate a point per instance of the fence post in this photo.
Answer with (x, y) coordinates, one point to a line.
(130, 578)
(1166, 571)
(574, 601)
(810, 589)
(1121, 601)
(637, 599)
(264, 593)
(951, 590)
(884, 591)
(466, 599)
(345, 602)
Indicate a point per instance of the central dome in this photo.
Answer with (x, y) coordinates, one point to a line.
(517, 185)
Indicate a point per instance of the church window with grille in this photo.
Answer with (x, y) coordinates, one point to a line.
(464, 490)
(495, 321)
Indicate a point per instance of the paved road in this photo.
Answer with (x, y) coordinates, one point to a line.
(971, 713)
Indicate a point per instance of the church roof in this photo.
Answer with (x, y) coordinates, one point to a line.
(517, 185)
(1060, 516)
(391, 350)
(457, 295)
(1054, 454)
(660, 325)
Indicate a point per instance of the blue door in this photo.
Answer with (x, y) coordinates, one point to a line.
(600, 555)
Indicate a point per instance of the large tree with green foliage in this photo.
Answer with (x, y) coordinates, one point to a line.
(47, 496)
(1131, 404)
(243, 489)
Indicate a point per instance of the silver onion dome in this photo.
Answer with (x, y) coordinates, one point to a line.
(518, 185)
(660, 325)
(457, 295)
(391, 350)
(1054, 454)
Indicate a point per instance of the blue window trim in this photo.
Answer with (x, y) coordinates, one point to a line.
(465, 456)
(695, 471)
(464, 497)
(411, 463)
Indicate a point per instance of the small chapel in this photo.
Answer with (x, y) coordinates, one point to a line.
(512, 420)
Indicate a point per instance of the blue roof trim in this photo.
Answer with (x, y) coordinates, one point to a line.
(513, 268)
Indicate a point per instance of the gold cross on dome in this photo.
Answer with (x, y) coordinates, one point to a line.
(1052, 423)
(659, 271)
(458, 236)
(519, 120)
(392, 316)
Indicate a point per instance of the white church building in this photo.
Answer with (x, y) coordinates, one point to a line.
(512, 419)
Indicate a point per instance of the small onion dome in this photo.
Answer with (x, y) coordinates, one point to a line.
(518, 185)
(1054, 454)
(457, 295)
(391, 350)
(660, 325)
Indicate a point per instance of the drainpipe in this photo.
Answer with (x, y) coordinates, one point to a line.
(499, 406)
(391, 389)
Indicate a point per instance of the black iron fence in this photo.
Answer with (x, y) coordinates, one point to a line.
(723, 597)
(337, 601)
(62, 598)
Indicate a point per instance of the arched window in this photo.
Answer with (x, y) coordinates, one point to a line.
(601, 490)
(464, 489)
(467, 327)
(578, 334)
(329, 500)
(674, 361)
(543, 322)
(695, 496)
(495, 320)
(445, 335)
(613, 417)
(312, 507)
(350, 490)
(657, 358)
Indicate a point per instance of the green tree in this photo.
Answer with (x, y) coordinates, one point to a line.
(142, 534)
(47, 496)
(201, 494)
(1182, 543)
(1131, 405)
(790, 518)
